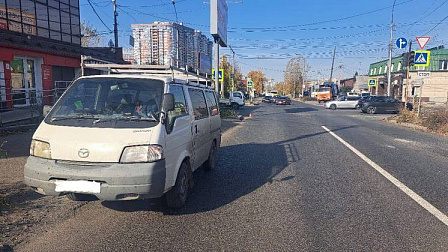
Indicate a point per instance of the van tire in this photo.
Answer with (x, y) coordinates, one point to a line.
(81, 197)
(177, 196)
(235, 106)
(210, 164)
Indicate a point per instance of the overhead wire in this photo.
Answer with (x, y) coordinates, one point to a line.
(96, 13)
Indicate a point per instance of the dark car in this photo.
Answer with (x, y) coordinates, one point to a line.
(365, 99)
(268, 99)
(282, 100)
(381, 104)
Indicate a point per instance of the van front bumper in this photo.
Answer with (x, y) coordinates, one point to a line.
(118, 181)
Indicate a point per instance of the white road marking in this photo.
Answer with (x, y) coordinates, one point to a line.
(403, 140)
(422, 202)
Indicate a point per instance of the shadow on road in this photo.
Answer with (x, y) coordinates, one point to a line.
(242, 169)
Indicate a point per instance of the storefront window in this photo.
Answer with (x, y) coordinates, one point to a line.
(28, 16)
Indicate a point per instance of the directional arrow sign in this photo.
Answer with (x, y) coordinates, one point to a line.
(402, 43)
(423, 41)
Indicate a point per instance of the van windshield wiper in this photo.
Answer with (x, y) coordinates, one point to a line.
(126, 118)
(78, 116)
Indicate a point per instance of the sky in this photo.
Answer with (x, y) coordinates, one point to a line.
(266, 34)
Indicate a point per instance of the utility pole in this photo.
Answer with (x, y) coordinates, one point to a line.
(389, 64)
(216, 59)
(339, 74)
(233, 69)
(115, 23)
(332, 64)
(408, 68)
(140, 44)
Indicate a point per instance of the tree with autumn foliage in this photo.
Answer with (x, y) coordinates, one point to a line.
(294, 75)
(228, 68)
(258, 78)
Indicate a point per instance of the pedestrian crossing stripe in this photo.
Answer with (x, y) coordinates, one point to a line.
(422, 58)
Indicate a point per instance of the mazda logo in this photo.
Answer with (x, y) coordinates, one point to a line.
(83, 153)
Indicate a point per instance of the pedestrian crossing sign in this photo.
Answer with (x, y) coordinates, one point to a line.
(422, 58)
(373, 82)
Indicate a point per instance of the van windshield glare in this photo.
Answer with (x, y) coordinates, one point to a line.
(109, 100)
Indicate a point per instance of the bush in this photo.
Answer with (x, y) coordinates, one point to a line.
(436, 121)
(228, 113)
(406, 116)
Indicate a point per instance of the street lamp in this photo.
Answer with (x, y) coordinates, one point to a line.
(389, 65)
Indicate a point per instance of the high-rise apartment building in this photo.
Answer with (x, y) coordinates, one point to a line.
(163, 43)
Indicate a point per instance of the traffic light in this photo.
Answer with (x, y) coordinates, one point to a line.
(405, 60)
(411, 58)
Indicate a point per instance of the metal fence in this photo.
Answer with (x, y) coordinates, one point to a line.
(27, 105)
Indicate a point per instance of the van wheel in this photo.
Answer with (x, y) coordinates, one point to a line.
(210, 164)
(81, 197)
(333, 106)
(235, 106)
(177, 196)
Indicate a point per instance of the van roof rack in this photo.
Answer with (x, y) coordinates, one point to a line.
(176, 74)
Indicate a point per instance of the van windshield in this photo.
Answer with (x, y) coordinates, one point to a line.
(109, 102)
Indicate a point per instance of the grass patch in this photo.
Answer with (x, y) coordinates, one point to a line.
(436, 121)
(406, 116)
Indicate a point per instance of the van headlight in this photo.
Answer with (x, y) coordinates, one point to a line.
(142, 154)
(40, 149)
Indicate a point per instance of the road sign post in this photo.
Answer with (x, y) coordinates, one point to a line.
(422, 58)
(220, 74)
(423, 41)
(402, 43)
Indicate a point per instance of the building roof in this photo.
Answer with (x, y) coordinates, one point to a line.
(437, 54)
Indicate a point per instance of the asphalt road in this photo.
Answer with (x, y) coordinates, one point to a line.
(284, 183)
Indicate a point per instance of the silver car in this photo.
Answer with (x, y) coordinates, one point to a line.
(343, 103)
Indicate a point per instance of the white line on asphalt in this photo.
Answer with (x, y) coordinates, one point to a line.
(422, 202)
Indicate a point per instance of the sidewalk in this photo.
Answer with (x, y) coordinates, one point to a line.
(19, 116)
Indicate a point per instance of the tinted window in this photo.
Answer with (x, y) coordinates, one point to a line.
(237, 95)
(198, 102)
(211, 103)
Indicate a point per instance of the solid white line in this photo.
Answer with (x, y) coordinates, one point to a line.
(422, 202)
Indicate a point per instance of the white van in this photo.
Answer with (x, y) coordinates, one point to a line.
(125, 137)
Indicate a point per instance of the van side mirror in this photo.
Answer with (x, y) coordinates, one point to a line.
(46, 110)
(168, 102)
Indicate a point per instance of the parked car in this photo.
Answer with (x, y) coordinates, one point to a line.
(382, 104)
(364, 99)
(282, 100)
(343, 102)
(352, 94)
(268, 99)
(125, 137)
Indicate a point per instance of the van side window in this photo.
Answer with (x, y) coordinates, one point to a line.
(180, 107)
(198, 103)
(211, 103)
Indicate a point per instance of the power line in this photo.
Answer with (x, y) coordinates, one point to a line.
(441, 21)
(96, 13)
